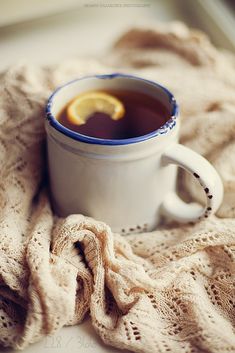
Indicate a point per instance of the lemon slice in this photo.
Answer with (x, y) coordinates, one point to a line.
(86, 104)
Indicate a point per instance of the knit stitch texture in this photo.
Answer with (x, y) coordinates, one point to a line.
(171, 290)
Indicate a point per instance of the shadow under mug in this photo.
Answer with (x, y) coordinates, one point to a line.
(127, 183)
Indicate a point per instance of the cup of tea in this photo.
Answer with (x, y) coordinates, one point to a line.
(113, 154)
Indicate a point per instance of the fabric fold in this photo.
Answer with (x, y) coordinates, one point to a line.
(171, 290)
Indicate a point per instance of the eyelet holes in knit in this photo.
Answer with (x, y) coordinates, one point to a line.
(135, 229)
(4, 323)
(175, 329)
(192, 272)
(135, 331)
(132, 331)
(159, 248)
(176, 305)
(214, 294)
(99, 325)
(7, 325)
(152, 300)
(166, 347)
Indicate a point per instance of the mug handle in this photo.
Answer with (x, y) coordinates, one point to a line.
(207, 177)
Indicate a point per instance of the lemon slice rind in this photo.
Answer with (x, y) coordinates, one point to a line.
(86, 104)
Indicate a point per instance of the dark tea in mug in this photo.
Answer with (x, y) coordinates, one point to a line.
(142, 115)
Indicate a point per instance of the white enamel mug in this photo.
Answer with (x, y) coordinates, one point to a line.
(127, 183)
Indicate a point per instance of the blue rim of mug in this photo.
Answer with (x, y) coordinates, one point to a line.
(169, 124)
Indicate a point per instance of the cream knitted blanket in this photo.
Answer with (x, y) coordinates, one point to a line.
(172, 290)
